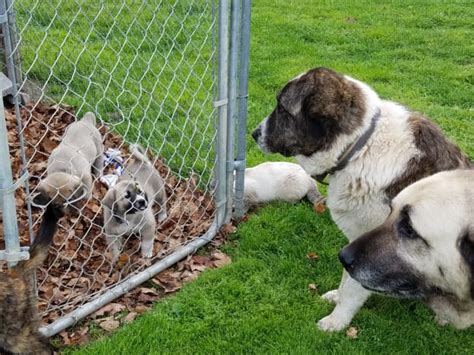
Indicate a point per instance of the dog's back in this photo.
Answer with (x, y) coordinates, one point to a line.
(141, 169)
(18, 314)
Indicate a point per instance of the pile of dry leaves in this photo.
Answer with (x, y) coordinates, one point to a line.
(79, 267)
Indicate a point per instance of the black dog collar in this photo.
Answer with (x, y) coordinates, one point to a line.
(351, 150)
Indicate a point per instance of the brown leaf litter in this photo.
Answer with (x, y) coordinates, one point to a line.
(78, 266)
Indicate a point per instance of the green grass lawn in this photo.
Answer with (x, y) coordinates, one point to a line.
(417, 52)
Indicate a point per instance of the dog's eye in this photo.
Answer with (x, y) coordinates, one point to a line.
(405, 229)
(127, 195)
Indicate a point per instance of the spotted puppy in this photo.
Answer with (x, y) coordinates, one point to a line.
(425, 248)
(72, 164)
(370, 148)
(281, 181)
(19, 321)
(128, 205)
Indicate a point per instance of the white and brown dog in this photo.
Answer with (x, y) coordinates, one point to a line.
(425, 248)
(370, 148)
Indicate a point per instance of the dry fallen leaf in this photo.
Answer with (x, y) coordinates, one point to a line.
(319, 207)
(312, 255)
(220, 259)
(228, 228)
(110, 309)
(313, 287)
(352, 332)
(109, 324)
(129, 318)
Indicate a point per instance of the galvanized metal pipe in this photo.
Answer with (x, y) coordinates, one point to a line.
(231, 111)
(117, 291)
(222, 104)
(7, 196)
(14, 74)
(242, 114)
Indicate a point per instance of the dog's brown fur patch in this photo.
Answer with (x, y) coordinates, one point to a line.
(437, 154)
(18, 314)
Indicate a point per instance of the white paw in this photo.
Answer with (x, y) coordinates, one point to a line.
(331, 296)
(441, 321)
(162, 217)
(331, 323)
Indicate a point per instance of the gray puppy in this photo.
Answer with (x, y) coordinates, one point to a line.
(128, 206)
(72, 163)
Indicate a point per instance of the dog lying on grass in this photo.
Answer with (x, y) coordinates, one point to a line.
(19, 321)
(279, 181)
(425, 248)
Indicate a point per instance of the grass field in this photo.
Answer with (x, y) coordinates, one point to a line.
(416, 52)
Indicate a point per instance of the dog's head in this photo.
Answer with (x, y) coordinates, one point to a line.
(62, 189)
(426, 246)
(312, 111)
(127, 197)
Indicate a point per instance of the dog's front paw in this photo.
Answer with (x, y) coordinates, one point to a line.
(441, 321)
(331, 323)
(331, 296)
(162, 216)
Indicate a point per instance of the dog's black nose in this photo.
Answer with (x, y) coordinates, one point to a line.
(141, 204)
(256, 133)
(346, 257)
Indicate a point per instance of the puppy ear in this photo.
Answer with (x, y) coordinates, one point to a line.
(467, 251)
(109, 199)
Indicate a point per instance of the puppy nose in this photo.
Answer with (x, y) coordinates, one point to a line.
(256, 133)
(346, 257)
(141, 203)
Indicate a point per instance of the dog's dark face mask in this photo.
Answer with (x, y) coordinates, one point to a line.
(374, 261)
(311, 112)
(136, 200)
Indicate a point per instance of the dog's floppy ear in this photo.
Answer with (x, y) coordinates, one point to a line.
(467, 251)
(40, 200)
(109, 199)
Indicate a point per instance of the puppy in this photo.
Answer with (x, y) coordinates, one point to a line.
(425, 248)
(281, 181)
(128, 204)
(71, 164)
(370, 148)
(19, 321)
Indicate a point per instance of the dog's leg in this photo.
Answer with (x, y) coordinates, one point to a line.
(351, 297)
(333, 295)
(313, 195)
(148, 236)
(98, 166)
(115, 245)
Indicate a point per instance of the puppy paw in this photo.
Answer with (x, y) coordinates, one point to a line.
(162, 217)
(147, 254)
(331, 323)
(331, 296)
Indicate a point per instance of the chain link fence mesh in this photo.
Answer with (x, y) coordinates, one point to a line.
(146, 69)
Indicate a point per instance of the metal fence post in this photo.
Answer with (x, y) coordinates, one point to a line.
(12, 63)
(231, 111)
(12, 252)
(240, 163)
(222, 104)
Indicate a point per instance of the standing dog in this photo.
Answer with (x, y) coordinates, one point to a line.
(71, 164)
(128, 206)
(281, 181)
(18, 314)
(371, 149)
(425, 248)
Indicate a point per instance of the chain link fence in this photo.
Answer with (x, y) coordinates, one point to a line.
(170, 76)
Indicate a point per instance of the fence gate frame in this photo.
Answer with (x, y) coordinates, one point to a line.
(230, 101)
